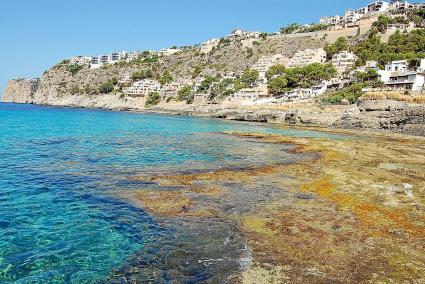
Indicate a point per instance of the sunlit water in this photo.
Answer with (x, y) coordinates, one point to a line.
(59, 221)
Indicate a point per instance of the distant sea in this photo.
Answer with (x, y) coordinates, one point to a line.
(60, 221)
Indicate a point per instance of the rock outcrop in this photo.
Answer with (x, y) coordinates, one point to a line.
(386, 115)
(21, 91)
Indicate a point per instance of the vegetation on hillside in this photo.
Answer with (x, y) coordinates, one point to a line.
(166, 78)
(282, 79)
(400, 46)
(142, 74)
(350, 94)
(222, 89)
(74, 68)
(152, 99)
(108, 86)
(185, 94)
(341, 44)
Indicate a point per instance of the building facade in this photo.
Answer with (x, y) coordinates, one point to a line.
(142, 88)
(265, 62)
(307, 56)
(343, 61)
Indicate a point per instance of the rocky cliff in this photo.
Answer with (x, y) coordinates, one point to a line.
(21, 91)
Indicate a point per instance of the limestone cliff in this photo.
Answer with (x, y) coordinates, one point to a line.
(20, 91)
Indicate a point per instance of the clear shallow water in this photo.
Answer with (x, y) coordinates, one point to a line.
(58, 166)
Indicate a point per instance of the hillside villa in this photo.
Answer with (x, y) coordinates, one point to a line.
(265, 62)
(343, 61)
(142, 88)
(398, 76)
(308, 56)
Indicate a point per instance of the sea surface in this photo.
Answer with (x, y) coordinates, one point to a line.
(59, 168)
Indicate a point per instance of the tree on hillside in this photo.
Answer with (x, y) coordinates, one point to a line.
(142, 74)
(339, 45)
(205, 85)
(249, 78)
(289, 29)
(283, 79)
(166, 78)
(185, 94)
(382, 23)
(152, 99)
(278, 85)
(275, 70)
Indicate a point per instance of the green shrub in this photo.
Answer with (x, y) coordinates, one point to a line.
(185, 94)
(152, 99)
(74, 68)
(351, 93)
(106, 87)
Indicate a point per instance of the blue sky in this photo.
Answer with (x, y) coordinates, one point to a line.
(36, 34)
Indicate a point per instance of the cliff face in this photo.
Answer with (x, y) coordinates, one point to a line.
(20, 91)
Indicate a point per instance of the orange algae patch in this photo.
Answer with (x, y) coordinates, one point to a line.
(373, 216)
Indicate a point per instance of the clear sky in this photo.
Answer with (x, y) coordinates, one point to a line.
(36, 34)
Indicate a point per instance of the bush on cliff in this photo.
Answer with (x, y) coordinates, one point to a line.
(166, 78)
(400, 46)
(152, 99)
(339, 45)
(106, 87)
(185, 94)
(282, 79)
(74, 68)
(351, 93)
(142, 74)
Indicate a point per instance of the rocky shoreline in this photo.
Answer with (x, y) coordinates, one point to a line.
(371, 115)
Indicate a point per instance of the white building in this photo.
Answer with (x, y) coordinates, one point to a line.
(168, 51)
(343, 61)
(172, 89)
(397, 66)
(331, 20)
(238, 33)
(406, 81)
(80, 60)
(307, 56)
(306, 93)
(378, 6)
(142, 88)
(351, 16)
(207, 46)
(249, 94)
(400, 6)
(265, 62)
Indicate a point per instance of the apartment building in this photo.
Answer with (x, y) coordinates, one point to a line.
(80, 60)
(172, 89)
(243, 34)
(401, 6)
(352, 16)
(142, 88)
(265, 62)
(398, 76)
(307, 56)
(249, 94)
(406, 81)
(168, 51)
(343, 61)
(331, 20)
(378, 6)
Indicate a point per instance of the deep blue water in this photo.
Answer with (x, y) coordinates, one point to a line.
(58, 166)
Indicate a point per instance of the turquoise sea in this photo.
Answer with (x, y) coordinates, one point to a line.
(60, 221)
